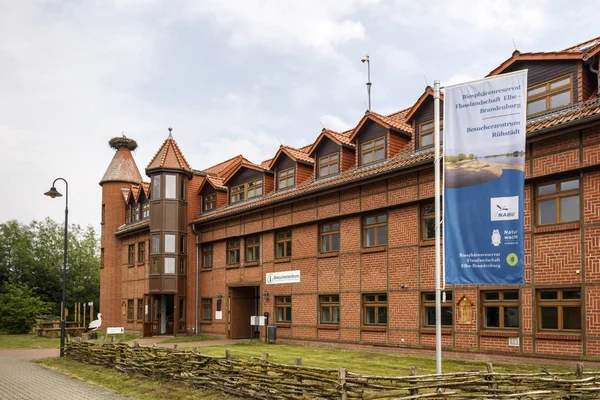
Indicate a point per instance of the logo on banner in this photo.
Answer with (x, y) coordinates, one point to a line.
(504, 208)
(496, 238)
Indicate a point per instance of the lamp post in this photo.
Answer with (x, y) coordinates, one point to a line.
(63, 318)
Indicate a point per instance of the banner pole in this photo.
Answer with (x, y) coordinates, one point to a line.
(438, 289)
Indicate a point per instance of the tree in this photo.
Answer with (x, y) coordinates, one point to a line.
(19, 308)
(32, 255)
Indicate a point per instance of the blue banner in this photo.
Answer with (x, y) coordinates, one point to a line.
(484, 176)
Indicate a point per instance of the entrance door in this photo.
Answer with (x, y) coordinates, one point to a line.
(147, 327)
(242, 305)
(169, 314)
(156, 310)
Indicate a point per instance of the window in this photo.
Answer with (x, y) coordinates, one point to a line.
(141, 252)
(206, 309)
(557, 202)
(283, 244)
(145, 210)
(155, 265)
(373, 151)
(140, 309)
(102, 257)
(135, 214)
(375, 309)
(247, 190)
(549, 95)
(207, 256)
(128, 215)
(252, 248)
(375, 230)
(182, 309)
(233, 251)
(500, 309)
(328, 165)
(426, 133)
(559, 310)
(330, 309)
(169, 265)
(131, 254)
(182, 266)
(428, 218)
(210, 202)
(285, 178)
(182, 189)
(283, 306)
(156, 187)
(169, 243)
(237, 193)
(103, 215)
(155, 244)
(182, 244)
(130, 309)
(329, 237)
(428, 304)
(170, 187)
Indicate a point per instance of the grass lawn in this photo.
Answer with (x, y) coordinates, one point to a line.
(187, 339)
(27, 341)
(368, 362)
(138, 387)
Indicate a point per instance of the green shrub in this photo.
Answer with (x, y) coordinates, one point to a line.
(19, 308)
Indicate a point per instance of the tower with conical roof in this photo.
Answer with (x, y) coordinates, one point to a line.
(121, 173)
(169, 174)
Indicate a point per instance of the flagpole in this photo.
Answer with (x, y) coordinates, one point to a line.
(438, 288)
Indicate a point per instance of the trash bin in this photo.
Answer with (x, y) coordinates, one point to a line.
(271, 334)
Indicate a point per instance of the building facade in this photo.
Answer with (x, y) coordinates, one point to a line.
(190, 250)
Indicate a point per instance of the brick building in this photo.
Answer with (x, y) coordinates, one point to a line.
(353, 212)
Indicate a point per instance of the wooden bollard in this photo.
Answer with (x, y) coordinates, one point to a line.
(413, 372)
(579, 371)
(490, 370)
(342, 378)
(298, 363)
(136, 344)
(228, 354)
(112, 340)
(175, 346)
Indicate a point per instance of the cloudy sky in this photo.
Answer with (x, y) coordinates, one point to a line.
(230, 76)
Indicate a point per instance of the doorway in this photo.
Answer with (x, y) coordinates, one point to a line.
(243, 303)
(159, 315)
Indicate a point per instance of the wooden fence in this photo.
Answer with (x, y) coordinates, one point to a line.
(258, 378)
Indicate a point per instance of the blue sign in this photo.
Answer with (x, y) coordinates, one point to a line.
(484, 176)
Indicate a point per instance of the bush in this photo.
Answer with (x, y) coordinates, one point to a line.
(19, 308)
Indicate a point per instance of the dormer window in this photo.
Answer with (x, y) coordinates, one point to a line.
(135, 214)
(145, 210)
(285, 178)
(128, 215)
(156, 186)
(328, 165)
(373, 151)
(426, 133)
(549, 95)
(247, 191)
(210, 202)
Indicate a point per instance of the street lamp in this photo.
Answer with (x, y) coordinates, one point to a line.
(63, 318)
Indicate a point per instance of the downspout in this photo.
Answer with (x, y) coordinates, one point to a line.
(196, 288)
(595, 71)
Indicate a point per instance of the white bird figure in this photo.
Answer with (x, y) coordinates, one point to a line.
(95, 324)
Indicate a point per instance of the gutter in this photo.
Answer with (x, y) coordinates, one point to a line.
(196, 283)
(563, 125)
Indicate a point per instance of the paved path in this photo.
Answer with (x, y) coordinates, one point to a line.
(22, 380)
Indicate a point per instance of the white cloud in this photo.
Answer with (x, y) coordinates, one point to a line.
(319, 26)
(335, 123)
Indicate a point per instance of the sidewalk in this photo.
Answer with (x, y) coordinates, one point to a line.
(22, 380)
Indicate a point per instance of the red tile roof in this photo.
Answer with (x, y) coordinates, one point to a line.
(293, 153)
(395, 120)
(169, 155)
(584, 46)
(122, 168)
(216, 169)
(563, 116)
(337, 137)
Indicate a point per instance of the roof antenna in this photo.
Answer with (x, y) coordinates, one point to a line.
(170, 135)
(281, 144)
(320, 123)
(514, 44)
(425, 78)
(365, 58)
